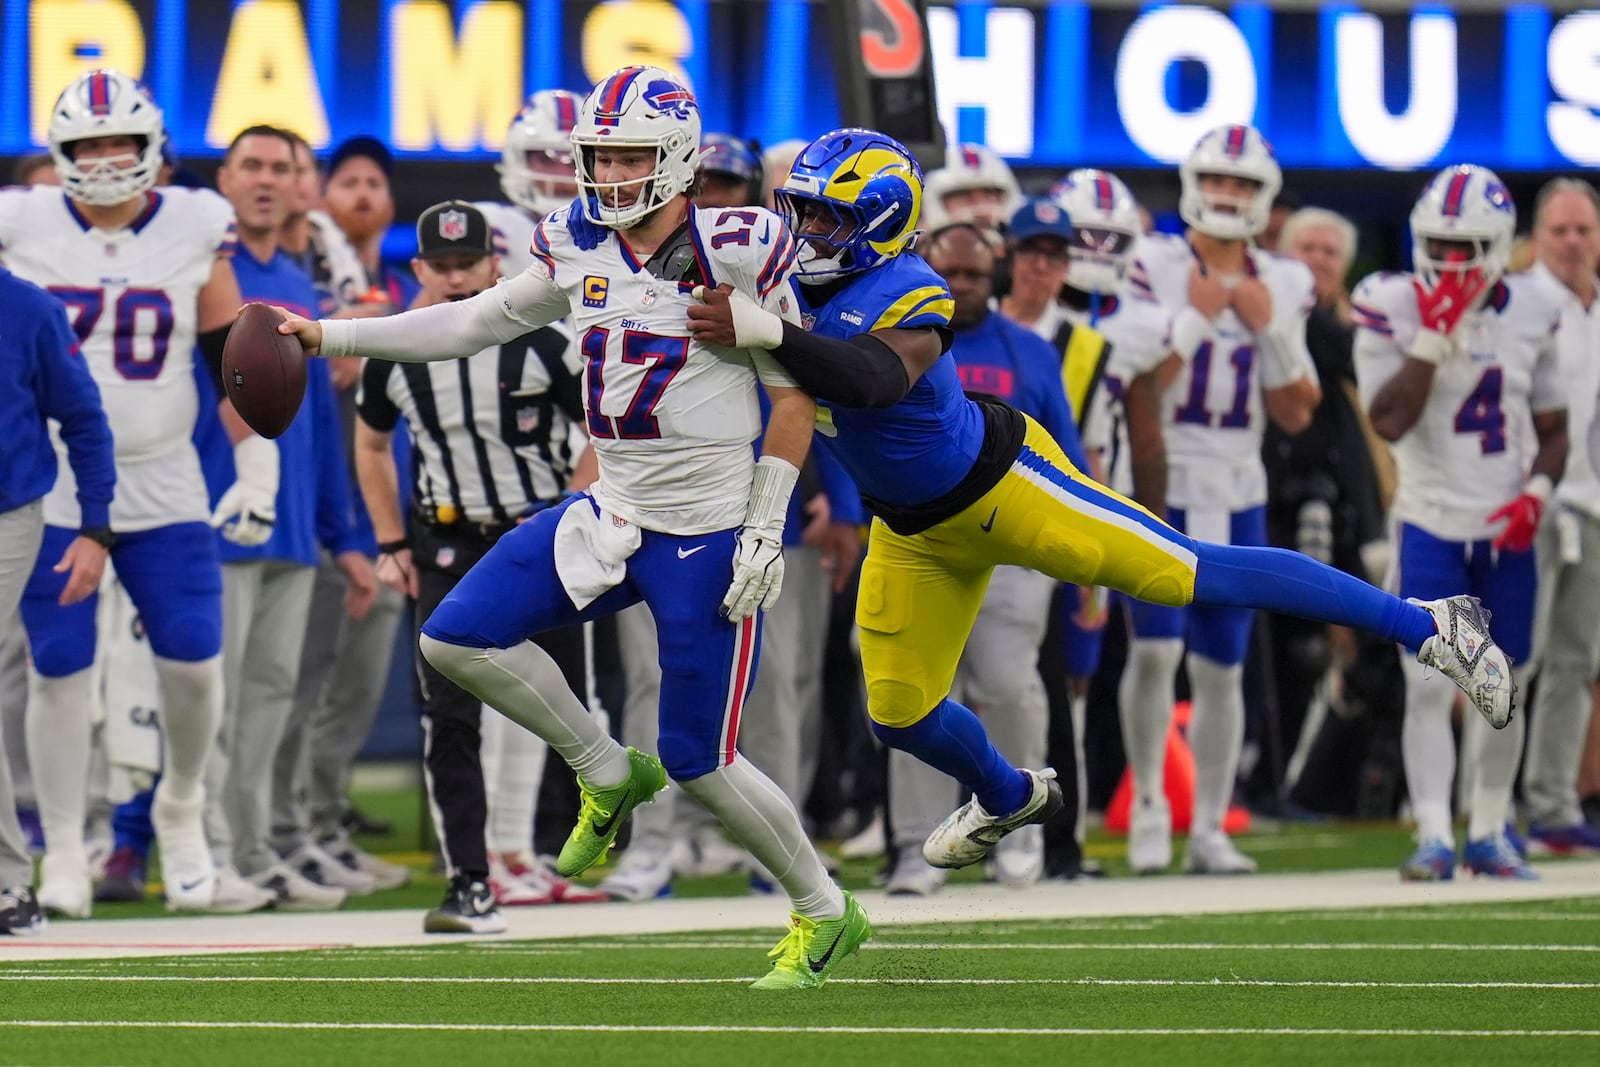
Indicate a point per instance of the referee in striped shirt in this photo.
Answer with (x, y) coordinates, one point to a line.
(491, 445)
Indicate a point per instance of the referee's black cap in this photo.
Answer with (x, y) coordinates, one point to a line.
(453, 228)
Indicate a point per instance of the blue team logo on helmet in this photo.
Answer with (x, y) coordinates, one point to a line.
(852, 199)
(670, 98)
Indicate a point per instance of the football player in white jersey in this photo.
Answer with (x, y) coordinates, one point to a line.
(1238, 356)
(535, 173)
(1458, 366)
(684, 517)
(974, 185)
(145, 275)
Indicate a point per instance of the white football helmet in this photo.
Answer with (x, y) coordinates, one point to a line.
(1242, 152)
(1463, 203)
(1105, 227)
(106, 103)
(542, 131)
(967, 167)
(638, 107)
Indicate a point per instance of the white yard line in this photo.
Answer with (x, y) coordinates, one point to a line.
(957, 905)
(31, 977)
(952, 1031)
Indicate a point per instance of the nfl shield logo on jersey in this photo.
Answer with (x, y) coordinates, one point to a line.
(452, 225)
(446, 556)
(527, 420)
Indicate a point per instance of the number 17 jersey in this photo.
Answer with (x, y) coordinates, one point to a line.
(671, 419)
(132, 298)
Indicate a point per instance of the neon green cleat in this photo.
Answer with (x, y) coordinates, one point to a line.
(811, 950)
(605, 810)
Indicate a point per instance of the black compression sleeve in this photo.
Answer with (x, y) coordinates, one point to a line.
(862, 372)
(211, 345)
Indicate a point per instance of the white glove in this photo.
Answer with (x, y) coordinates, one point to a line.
(248, 509)
(758, 554)
(757, 573)
(753, 325)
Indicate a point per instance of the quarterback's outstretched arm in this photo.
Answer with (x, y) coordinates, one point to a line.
(451, 330)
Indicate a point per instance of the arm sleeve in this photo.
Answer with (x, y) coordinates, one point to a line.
(1377, 352)
(67, 393)
(373, 403)
(1291, 307)
(452, 330)
(336, 522)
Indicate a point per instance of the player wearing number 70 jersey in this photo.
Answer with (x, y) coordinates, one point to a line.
(145, 274)
(1238, 357)
(1457, 365)
(683, 518)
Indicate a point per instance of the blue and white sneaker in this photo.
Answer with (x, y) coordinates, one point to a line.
(1493, 857)
(1433, 861)
(1579, 839)
(1464, 652)
(1514, 838)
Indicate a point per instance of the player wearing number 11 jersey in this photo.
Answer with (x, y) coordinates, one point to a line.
(684, 517)
(145, 274)
(1457, 365)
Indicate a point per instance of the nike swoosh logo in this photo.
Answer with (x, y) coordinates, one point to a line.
(986, 527)
(818, 965)
(189, 887)
(766, 233)
(602, 829)
(685, 553)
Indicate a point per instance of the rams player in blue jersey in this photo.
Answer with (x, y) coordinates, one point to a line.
(960, 484)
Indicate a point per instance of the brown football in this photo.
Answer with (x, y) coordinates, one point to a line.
(264, 371)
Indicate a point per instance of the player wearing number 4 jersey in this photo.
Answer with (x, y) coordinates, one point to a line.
(1457, 364)
(962, 484)
(145, 274)
(683, 518)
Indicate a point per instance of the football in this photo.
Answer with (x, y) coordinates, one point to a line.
(263, 370)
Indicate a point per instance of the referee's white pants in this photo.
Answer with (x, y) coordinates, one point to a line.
(21, 530)
(264, 609)
(998, 678)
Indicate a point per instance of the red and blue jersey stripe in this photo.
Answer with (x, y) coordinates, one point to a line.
(1371, 318)
(609, 109)
(778, 264)
(1455, 193)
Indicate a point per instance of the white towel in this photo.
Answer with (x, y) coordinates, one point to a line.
(592, 547)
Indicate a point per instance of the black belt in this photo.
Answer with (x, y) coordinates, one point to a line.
(445, 520)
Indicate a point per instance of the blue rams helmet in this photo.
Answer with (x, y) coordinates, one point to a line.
(723, 153)
(867, 186)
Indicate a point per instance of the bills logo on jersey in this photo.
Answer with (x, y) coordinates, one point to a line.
(671, 99)
(452, 225)
(594, 291)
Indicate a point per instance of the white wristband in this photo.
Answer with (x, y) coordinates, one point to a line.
(1430, 346)
(338, 337)
(770, 491)
(1189, 331)
(1270, 342)
(1540, 487)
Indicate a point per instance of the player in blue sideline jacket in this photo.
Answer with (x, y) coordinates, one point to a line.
(962, 484)
(43, 376)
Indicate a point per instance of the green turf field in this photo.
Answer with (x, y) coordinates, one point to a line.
(1471, 984)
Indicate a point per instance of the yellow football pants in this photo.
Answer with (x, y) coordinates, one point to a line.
(920, 594)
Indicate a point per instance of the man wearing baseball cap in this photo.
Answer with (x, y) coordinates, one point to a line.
(491, 446)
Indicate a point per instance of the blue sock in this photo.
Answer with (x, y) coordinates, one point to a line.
(130, 824)
(952, 739)
(1275, 579)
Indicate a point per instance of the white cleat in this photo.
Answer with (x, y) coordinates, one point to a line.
(315, 865)
(870, 842)
(643, 873)
(235, 896)
(1214, 853)
(384, 875)
(914, 876)
(291, 891)
(969, 833)
(64, 886)
(1464, 652)
(512, 892)
(1150, 837)
(1018, 861)
(188, 875)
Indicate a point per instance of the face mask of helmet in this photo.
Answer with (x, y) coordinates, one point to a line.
(825, 231)
(1099, 258)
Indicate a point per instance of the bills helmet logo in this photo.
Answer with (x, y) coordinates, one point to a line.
(452, 225)
(671, 99)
